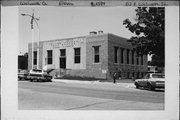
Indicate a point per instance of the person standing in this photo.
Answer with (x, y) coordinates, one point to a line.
(115, 76)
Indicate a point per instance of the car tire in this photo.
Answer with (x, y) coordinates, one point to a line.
(137, 86)
(150, 87)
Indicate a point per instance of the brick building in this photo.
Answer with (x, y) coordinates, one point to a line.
(97, 55)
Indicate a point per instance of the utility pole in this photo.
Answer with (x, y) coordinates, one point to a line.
(32, 33)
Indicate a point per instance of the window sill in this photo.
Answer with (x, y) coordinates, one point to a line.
(97, 63)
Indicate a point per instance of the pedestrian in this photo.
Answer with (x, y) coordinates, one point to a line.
(115, 75)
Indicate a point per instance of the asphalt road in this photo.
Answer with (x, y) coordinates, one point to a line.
(81, 96)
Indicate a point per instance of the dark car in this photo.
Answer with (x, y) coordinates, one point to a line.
(22, 75)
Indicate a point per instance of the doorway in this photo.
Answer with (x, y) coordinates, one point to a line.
(62, 59)
(62, 63)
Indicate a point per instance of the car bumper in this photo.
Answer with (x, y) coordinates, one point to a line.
(160, 85)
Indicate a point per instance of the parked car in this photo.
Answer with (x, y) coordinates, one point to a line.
(39, 75)
(22, 74)
(151, 81)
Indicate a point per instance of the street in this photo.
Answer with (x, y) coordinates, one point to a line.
(86, 96)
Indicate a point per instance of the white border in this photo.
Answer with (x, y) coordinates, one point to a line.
(9, 37)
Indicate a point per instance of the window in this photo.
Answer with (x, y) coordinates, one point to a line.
(128, 74)
(137, 59)
(132, 57)
(132, 74)
(115, 54)
(35, 58)
(77, 55)
(62, 52)
(141, 59)
(122, 55)
(96, 54)
(127, 56)
(49, 57)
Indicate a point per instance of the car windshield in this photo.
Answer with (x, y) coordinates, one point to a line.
(36, 70)
(157, 76)
(22, 72)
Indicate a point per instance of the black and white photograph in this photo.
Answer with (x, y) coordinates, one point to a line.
(91, 58)
(105, 60)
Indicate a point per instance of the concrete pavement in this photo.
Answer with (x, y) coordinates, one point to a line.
(123, 83)
(78, 95)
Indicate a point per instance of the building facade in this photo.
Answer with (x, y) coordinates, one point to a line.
(97, 55)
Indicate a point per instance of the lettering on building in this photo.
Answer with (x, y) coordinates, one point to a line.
(67, 43)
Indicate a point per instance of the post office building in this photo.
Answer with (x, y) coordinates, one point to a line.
(97, 55)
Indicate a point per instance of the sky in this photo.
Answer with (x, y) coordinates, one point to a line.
(67, 22)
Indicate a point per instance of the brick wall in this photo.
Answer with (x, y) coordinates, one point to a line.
(127, 69)
(96, 69)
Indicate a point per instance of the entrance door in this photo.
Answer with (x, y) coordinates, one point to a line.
(62, 62)
(62, 59)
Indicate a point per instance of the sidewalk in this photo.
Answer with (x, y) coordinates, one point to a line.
(125, 82)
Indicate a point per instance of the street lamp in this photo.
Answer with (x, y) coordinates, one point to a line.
(32, 31)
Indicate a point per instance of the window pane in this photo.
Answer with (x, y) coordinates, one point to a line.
(77, 59)
(137, 60)
(142, 60)
(132, 57)
(35, 58)
(77, 51)
(127, 57)
(63, 52)
(115, 54)
(49, 53)
(96, 50)
(122, 55)
(49, 60)
(96, 54)
(96, 60)
(77, 56)
(35, 54)
(49, 57)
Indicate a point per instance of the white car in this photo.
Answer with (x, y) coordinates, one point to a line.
(151, 81)
(38, 75)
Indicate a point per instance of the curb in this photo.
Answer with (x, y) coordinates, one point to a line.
(127, 85)
(74, 81)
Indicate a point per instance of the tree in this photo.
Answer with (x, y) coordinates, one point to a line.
(23, 61)
(149, 32)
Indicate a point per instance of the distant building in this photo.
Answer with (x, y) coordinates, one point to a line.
(96, 55)
(22, 62)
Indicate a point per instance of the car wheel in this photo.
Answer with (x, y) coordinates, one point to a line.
(137, 86)
(150, 87)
